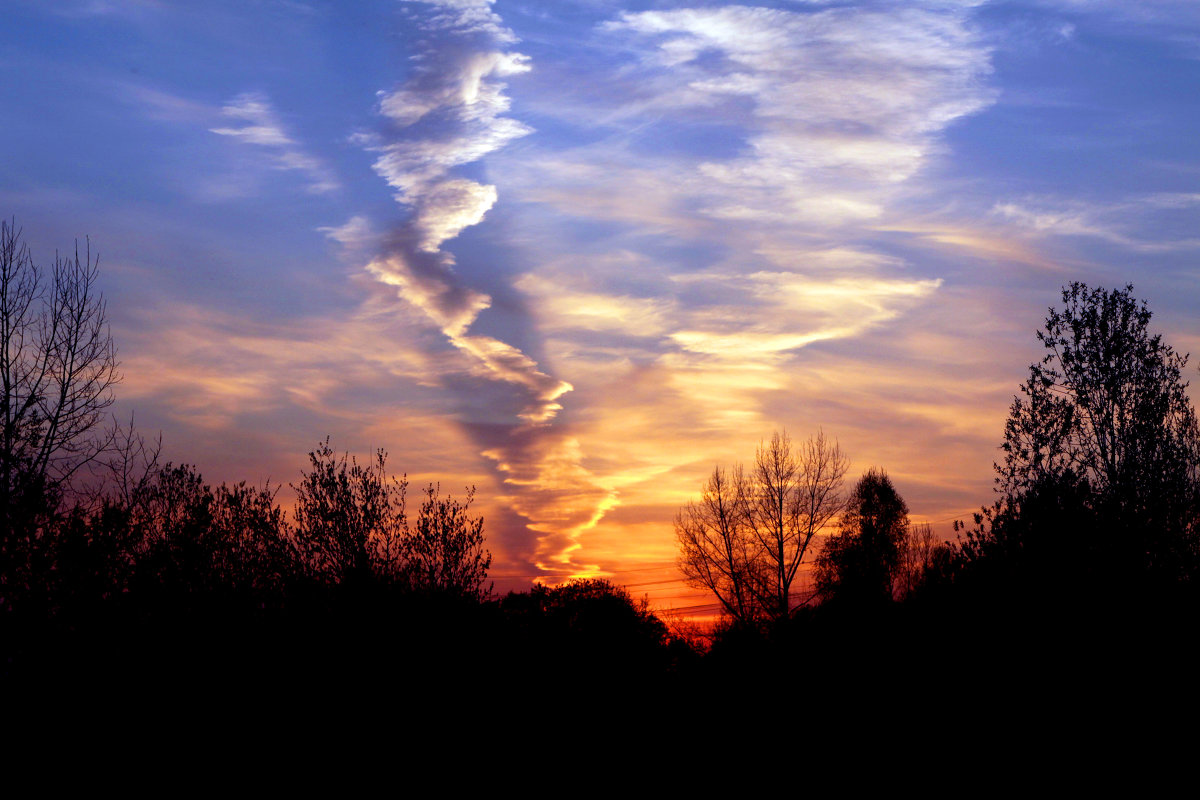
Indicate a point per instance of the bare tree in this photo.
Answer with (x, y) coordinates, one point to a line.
(716, 549)
(58, 366)
(747, 537)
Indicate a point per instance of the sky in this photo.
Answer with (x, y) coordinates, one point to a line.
(578, 253)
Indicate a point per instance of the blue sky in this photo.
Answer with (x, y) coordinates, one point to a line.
(577, 253)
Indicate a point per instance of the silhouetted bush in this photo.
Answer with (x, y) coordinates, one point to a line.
(590, 633)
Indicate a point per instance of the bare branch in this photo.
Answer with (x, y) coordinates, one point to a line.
(58, 367)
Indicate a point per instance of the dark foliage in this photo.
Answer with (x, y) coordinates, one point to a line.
(590, 637)
(352, 529)
(1100, 477)
(350, 518)
(861, 563)
(444, 552)
(591, 614)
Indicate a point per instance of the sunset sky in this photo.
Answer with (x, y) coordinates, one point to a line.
(576, 253)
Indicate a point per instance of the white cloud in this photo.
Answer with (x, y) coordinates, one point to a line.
(411, 166)
(450, 206)
(461, 103)
(502, 361)
(465, 88)
(429, 284)
(261, 126)
(562, 306)
(448, 114)
(846, 102)
(1063, 221)
(464, 17)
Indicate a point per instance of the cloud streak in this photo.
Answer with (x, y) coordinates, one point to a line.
(1120, 223)
(451, 112)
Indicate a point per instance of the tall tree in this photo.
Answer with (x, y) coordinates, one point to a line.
(58, 365)
(1107, 410)
(793, 494)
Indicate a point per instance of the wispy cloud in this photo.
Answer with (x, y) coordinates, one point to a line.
(791, 311)
(355, 234)
(256, 123)
(449, 114)
(1171, 12)
(103, 8)
(1138, 223)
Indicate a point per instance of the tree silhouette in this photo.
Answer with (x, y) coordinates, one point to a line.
(351, 527)
(861, 562)
(444, 551)
(717, 551)
(793, 495)
(594, 626)
(1107, 410)
(350, 518)
(747, 537)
